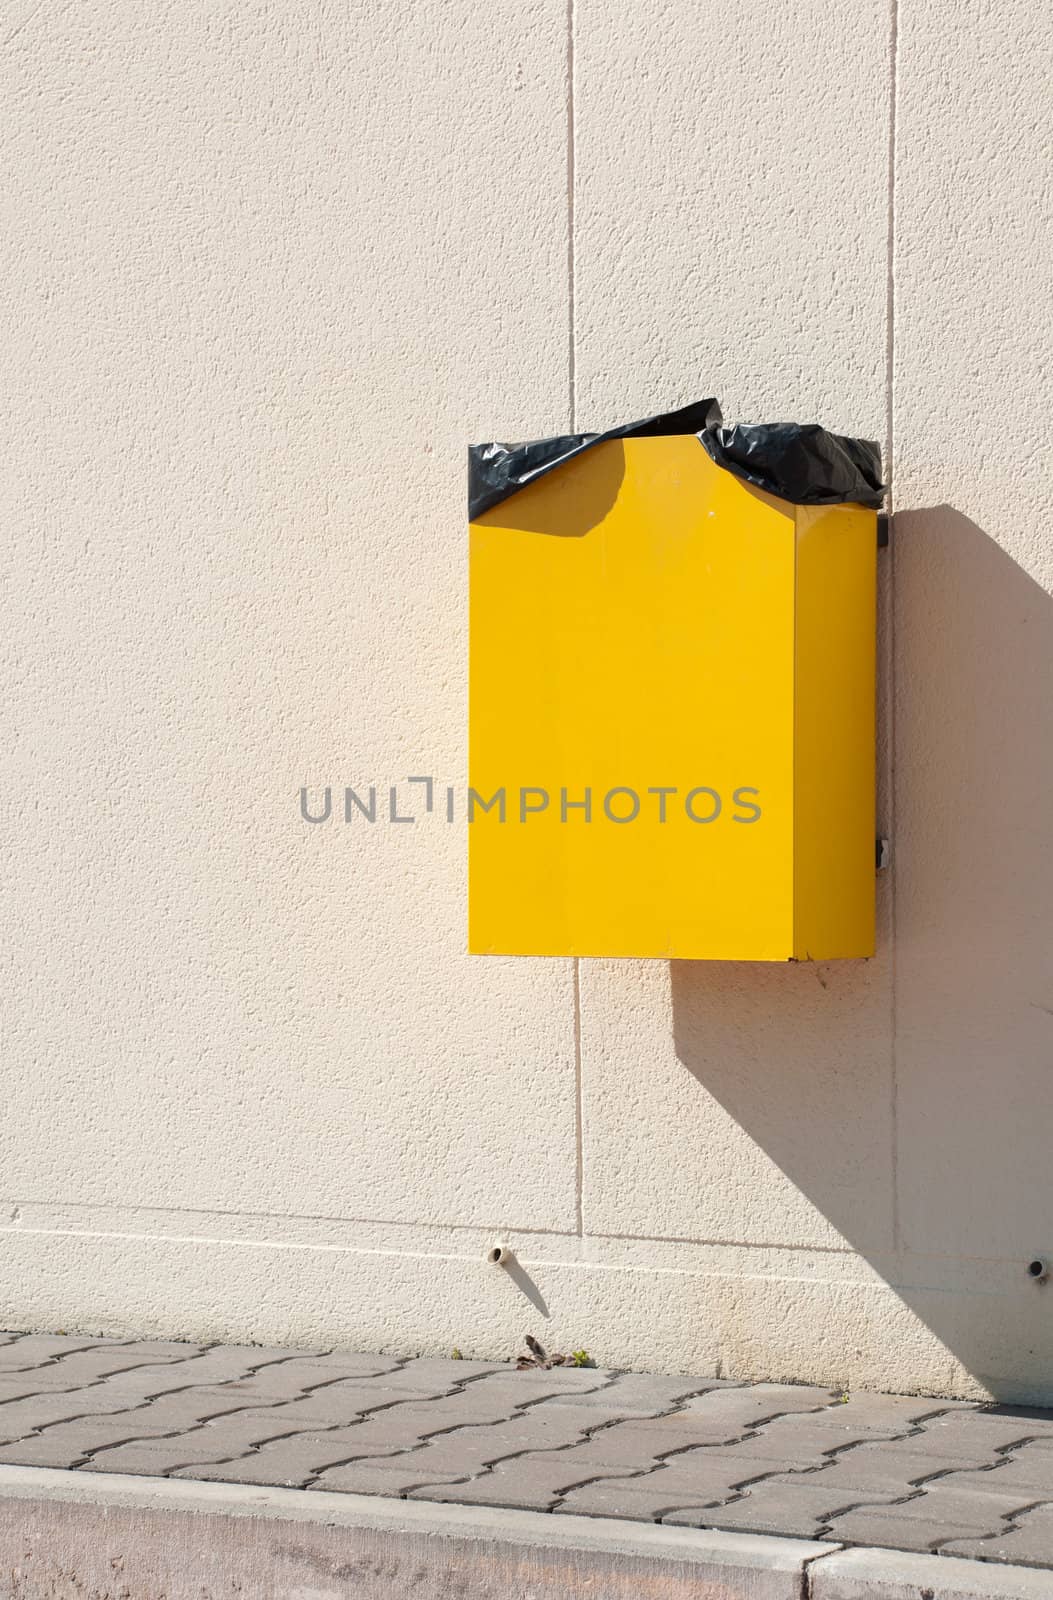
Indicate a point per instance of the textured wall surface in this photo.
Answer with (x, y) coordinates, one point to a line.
(269, 268)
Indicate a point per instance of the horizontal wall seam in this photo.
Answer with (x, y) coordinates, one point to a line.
(405, 1253)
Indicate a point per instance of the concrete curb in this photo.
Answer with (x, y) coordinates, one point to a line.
(67, 1534)
(71, 1534)
(898, 1575)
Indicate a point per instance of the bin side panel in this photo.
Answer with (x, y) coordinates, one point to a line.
(632, 629)
(834, 721)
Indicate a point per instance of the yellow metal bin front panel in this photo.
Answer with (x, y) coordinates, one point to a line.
(631, 631)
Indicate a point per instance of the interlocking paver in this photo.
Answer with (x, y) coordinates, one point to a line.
(399, 1419)
(185, 1409)
(1026, 1538)
(291, 1461)
(67, 1443)
(558, 1380)
(140, 1385)
(893, 1413)
(685, 1428)
(219, 1364)
(304, 1457)
(695, 1468)
(542, 1427)
(805, 1441)
(1027, 1471)
(626, 1447)
(531, 1483)
(25, 1387)
(34, 1349)
(19, 1417)
(647, 1497)
(841, 1424)
(928, 1520)
(89, 1366)
(73, 1372)
(158, 1349)
(187, 1405)
(466, 1451)
(512, 1389)
(151, 1458)
(800, 1509)
(894, 1467)
(640, 1393)
(965, 1433)
(222, 1439)
(1039, 1442)
(433, 1372)
(749, 1405)
(287, 1378)
(720, 1417)
(393, 1476)
(338, 1406)
(198, 1400)
(84, 1433)
(396, 1427)
(40, 1450)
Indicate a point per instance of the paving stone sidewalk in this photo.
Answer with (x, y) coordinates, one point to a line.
(940, 1476)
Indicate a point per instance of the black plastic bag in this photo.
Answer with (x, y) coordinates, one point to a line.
(799, 462)
(496, 471)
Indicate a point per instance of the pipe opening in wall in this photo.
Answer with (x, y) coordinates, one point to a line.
(1038, 1269)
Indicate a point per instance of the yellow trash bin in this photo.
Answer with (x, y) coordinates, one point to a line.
(672, 693)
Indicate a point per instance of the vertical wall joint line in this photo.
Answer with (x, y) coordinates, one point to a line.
(572, 376)
(579, 1129)
(572, 413)
(890, 590)
(890, 291)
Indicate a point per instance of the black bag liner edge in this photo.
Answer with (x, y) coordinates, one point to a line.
(796, 461)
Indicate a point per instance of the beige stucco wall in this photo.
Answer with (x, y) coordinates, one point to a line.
(268, 269)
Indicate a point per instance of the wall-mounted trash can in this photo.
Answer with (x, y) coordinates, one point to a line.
(672, 693)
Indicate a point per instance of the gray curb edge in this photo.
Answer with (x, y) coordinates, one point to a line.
(110, 1535)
